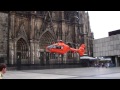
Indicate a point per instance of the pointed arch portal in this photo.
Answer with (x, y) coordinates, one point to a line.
(46, 39)
(22, 51)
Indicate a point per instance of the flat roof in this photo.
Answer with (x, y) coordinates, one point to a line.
(114, 32)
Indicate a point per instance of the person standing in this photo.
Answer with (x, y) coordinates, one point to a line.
(2, 70)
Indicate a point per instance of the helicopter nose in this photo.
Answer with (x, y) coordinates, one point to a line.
(48, 47)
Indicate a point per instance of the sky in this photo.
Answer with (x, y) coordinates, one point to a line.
(102, 22)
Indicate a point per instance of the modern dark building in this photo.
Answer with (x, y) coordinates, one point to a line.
(108, 47)
(114, 32)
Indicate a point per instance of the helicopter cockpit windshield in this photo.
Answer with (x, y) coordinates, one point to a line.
(54, 47)
(51, 46)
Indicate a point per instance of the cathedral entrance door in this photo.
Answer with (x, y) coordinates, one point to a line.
(18, 60)
(22, 53)
(47, 58)
(41, 58)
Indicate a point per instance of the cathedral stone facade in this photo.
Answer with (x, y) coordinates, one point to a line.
(25, 34)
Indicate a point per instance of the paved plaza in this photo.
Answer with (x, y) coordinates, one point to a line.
(67, 73)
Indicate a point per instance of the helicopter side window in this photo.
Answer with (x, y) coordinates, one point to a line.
(59, 47)
(53, 46)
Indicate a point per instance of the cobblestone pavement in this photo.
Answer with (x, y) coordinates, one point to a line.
(67, 73)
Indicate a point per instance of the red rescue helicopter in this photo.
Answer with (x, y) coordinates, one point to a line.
(62, 48)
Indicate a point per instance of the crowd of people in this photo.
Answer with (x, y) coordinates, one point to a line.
(107, 64)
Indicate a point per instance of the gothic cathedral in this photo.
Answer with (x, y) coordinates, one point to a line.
(25, 34)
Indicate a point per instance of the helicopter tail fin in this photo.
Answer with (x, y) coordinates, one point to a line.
(81, 50)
